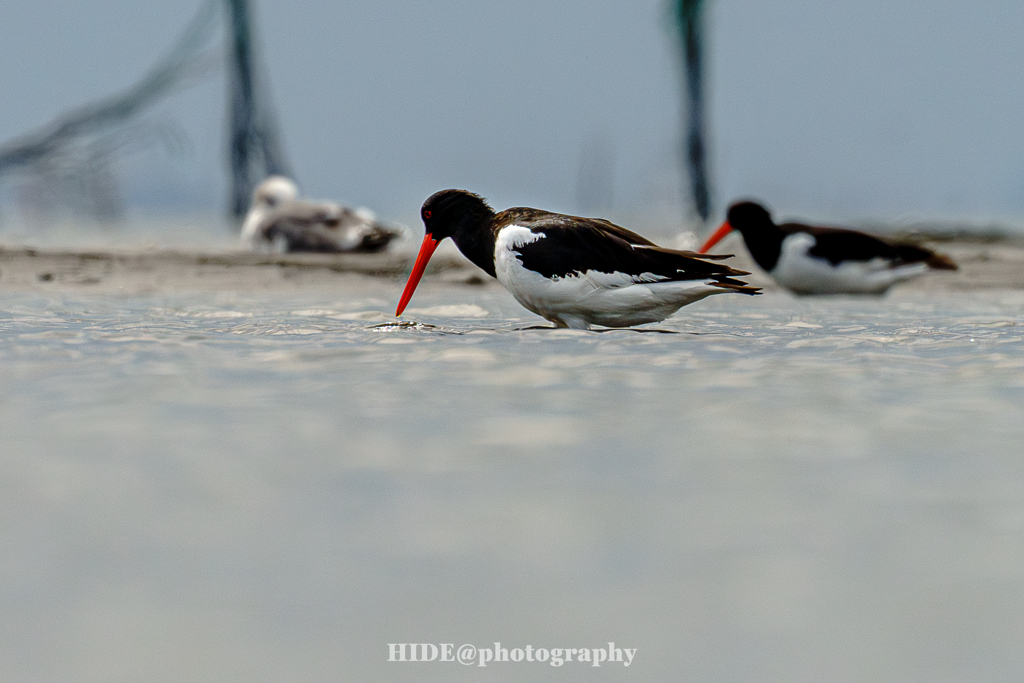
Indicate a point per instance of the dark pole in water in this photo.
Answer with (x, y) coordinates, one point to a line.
(689, 19)
(254, 149)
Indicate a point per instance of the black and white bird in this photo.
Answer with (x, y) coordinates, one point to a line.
(818, 260)
(575, 272)
(279, 220)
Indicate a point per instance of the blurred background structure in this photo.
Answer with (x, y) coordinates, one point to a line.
(255, 149)
(70, 162)
(690, 18)
(827, 110)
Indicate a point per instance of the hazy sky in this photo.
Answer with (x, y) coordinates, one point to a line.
(877, 109)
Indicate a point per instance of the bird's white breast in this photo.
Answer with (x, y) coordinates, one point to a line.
(250, 225)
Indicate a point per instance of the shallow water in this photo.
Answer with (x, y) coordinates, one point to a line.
(256, 487)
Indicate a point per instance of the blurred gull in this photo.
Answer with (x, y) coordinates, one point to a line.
(278, 220)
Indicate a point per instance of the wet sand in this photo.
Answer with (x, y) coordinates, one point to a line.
(984, 264)
(161, 270)
(223, 466)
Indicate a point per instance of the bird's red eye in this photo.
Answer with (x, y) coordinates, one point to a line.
(427, 213)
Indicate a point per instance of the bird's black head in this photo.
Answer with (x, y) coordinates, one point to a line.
(467, 219)
(762, 237)
(749, 216)
(454, 213)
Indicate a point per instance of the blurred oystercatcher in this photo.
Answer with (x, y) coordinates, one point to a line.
(576, 272)
(815, 260)
(280, 220)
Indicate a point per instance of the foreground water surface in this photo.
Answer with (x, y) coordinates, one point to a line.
(266, 487)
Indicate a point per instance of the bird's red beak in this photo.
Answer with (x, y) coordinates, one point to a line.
(724, 230)
(426, 251)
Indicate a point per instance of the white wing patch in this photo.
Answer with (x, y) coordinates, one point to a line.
(515, 236)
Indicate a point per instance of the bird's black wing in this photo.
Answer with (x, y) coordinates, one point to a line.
(837, 244)
(574, 245)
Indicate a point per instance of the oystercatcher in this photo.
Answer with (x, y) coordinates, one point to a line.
(279, 219)
(576, 272)
(815, 260)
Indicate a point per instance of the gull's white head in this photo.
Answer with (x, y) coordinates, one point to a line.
(275, 190)
(270, 194)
